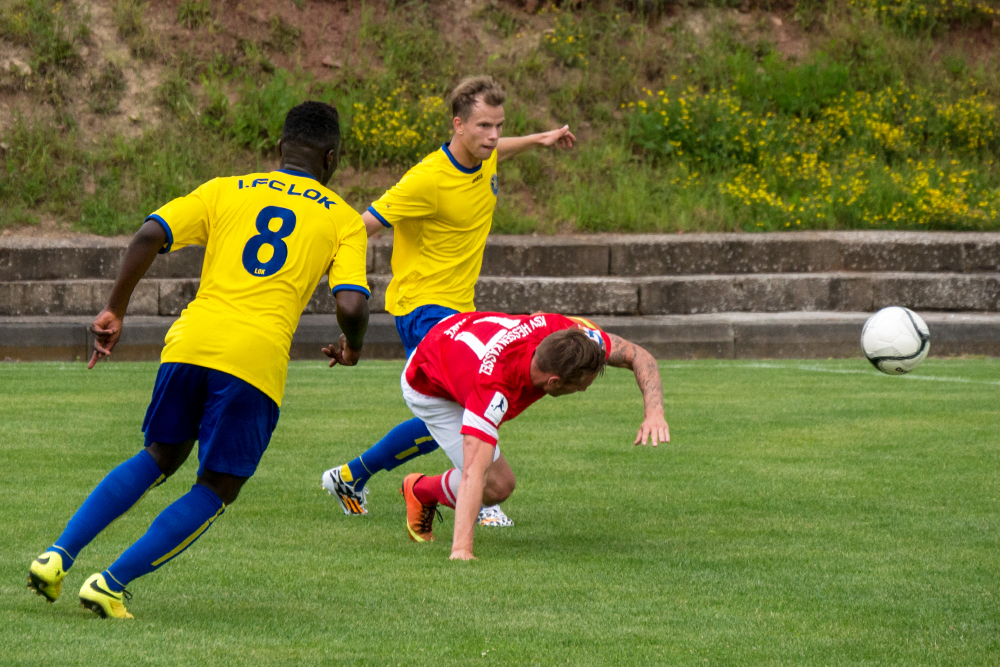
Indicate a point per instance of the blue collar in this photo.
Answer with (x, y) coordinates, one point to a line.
(464, 170)
(296, 172)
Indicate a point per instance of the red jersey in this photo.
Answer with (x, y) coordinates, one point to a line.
(482, 360)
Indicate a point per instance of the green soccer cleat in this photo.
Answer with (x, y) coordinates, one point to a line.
(46, 574)
(98, 598)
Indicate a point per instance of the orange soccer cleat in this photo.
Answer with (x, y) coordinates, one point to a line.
(419, 517)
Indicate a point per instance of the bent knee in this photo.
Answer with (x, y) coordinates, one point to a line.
(169, 457)
(500, 490)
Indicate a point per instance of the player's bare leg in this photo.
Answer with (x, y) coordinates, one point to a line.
(500, 485)
(423, 495)
(500, 482)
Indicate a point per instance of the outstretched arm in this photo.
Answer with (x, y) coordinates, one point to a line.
(511, 146)
(647, 374)
(107, 326)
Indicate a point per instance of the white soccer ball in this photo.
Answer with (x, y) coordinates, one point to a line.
(895, 340)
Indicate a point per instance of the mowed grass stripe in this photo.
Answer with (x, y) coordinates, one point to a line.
(804, 513)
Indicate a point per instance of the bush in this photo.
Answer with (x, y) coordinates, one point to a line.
(566, 42)
(130, 20)
(259, 115)
(194, 13)
(175, 94)
(396, 129)
(51, 29)
(413, 53)
(282, 37)
(107, 89)
(926, 15)
(42, 167)
(134, 177)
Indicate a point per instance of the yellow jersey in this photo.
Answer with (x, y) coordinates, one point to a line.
(441, 213)
(268, 239)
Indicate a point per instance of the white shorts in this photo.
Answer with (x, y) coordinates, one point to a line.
(443, 419)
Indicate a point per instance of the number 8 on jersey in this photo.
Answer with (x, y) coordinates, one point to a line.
(251, 262)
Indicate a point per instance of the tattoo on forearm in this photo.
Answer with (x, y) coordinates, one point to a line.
(647, 374)
(622, 352)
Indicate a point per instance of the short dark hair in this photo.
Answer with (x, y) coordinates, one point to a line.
(463, 98)
(315, 124)
(571, 354)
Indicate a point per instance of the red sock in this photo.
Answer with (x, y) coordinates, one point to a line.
(429, 490)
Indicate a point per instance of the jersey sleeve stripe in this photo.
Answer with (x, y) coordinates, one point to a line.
(166, 228)
(473, 424)
(350, 288)
(385, 223)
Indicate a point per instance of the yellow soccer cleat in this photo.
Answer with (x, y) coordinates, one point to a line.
(46, 574)
(419, 517)
(98, 598)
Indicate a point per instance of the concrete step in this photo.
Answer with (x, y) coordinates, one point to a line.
(662, 295)
(815, 335)
(29, 259)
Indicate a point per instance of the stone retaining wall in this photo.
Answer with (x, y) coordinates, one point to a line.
(664, 295)
(29, 259)
(802, 294)
(717, 336)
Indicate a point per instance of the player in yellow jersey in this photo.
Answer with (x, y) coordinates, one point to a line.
(268, 238)
(440, 213)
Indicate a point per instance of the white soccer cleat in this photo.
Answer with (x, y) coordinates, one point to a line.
(353, 502)
(494, 516)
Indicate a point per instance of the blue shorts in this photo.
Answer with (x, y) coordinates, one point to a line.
(413, 326)
(232, 420)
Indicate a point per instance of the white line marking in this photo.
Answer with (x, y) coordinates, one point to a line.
(840, 371)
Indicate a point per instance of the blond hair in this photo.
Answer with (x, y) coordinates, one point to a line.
(471, 88)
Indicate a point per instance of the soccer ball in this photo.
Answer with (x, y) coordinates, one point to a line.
(895, 340)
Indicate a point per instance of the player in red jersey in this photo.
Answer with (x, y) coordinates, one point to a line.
(475, 371)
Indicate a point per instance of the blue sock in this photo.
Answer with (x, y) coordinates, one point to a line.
(174, 530)
(409, 439)
(122, 488)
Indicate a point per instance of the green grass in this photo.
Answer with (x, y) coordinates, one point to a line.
(805, 513)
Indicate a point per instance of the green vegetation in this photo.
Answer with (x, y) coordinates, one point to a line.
(194, 13)
(53, 32)
(128, 177)
(701, 115)
(107, 90)
(806, 513)
(130, 20)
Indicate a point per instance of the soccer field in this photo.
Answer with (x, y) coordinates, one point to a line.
(804, 513)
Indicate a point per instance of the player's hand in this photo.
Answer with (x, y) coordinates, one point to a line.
(562, 138)
(341, 354)
(107, 329)
(461, 554)
(654, 429)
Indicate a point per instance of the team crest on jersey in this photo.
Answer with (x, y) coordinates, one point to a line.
(494, 185)
(498, 408)
(594, 336)
(592, 330)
